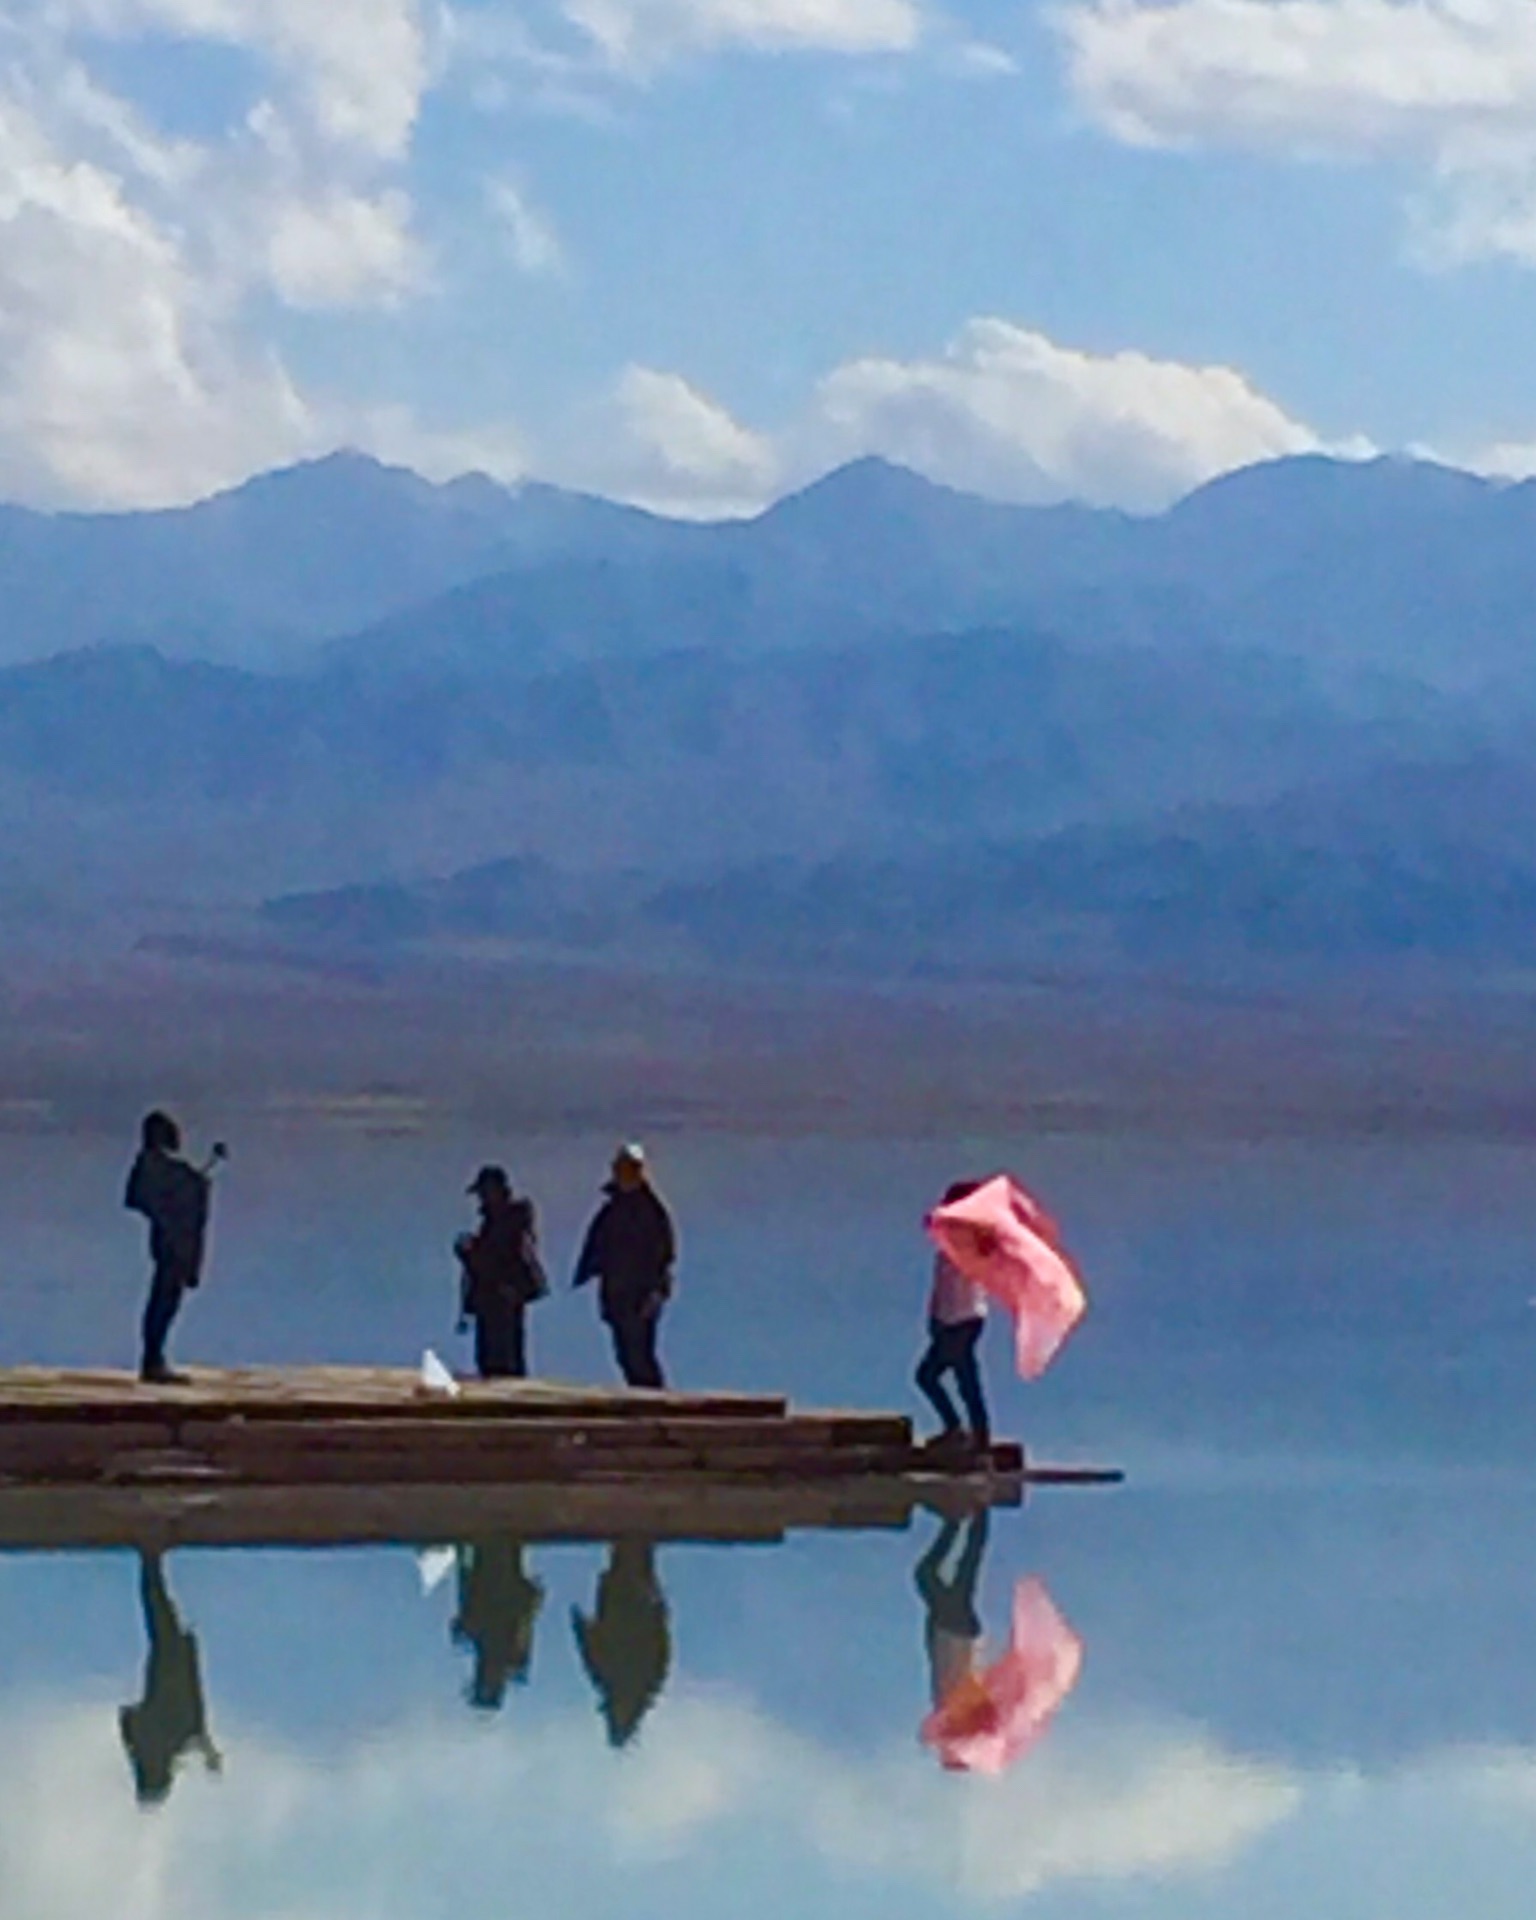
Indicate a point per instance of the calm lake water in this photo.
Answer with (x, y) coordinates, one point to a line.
(1307, 1624)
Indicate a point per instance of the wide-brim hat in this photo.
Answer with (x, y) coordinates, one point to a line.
(490, 1179)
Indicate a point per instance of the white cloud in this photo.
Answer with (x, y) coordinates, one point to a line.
(660, 443)
(981, 60)
(341, 249)
(1008, 412)
(430, 1819)
(133, 371)
(637, 35)
(118, 380)
(1002, 411)
(531, 235)
(1451, 83)
(357, 69)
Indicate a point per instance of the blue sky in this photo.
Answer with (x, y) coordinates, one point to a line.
(692, 252)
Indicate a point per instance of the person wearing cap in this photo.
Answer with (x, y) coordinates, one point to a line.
(500, 1276)
(631, 1248)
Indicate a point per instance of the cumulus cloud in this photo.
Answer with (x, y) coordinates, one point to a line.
(340, 249)
(1003, 411)
(1008, 412)
(659, 442)
(356, 69)
(118, 379)
(1451, 83)
(132, 260)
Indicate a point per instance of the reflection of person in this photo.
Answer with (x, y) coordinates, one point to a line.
(498, 1607)
(500, 1275)
(985, 1715)
(957, 1318)
(171, 1719)
(626, 1646)
(953, 1626)
(631, 1247)
(173, 1196)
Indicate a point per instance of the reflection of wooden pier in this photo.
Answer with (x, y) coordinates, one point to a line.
(353, 1454)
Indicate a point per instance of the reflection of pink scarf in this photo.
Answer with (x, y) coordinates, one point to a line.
(989, 1718)
(1005, 1241)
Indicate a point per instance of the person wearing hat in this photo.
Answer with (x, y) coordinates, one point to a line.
(631, 1248)
(500, 1276)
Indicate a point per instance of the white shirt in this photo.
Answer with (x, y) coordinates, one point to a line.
(954, 1298)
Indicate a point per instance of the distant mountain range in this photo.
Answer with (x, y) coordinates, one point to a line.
(1390, 564)
(884, 725)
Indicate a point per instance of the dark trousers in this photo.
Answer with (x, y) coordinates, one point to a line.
(501, 1344)
(166, 1291)
(634, 1330)
(952, 1349)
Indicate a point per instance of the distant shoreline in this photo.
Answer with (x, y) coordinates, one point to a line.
(560, 1050)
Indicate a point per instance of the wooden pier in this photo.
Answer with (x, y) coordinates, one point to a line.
(301, 1456)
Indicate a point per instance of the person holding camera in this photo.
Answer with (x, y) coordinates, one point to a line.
(173, 1196)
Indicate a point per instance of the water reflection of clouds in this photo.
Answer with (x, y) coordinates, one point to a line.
(439, 1818)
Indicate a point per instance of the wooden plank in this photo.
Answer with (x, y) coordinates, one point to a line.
(793, 1435)
(78, 1448)
(360, 1427)
(350, 1392)
(1068, 1476)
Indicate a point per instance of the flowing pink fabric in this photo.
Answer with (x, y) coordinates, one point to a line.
(1003, 1239)
(992, 1717)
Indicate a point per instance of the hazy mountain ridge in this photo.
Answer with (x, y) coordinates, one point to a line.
(809, 739)
(1390, 563)
(266, 569)
(1424, 861)
(125, 768)
(1388, 566)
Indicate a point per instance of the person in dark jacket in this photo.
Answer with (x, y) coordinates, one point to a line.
(631, 1249)
(172, 1195)
(499, 1276)
(626, 1644)
(171, 1719)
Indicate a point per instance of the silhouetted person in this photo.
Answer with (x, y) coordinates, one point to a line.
(953, 1626)
(957, 1318)
(631, 1248)
(171, 1719)
(498, 1607)
(172, 1195)
(500, 1276)
(626, 1646)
